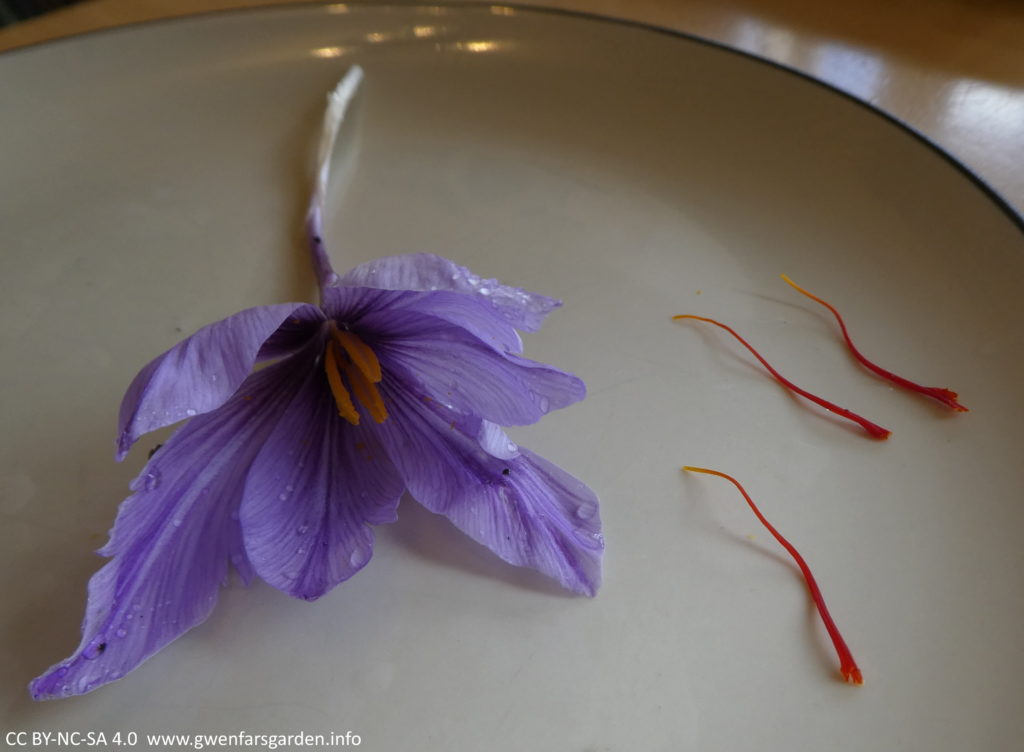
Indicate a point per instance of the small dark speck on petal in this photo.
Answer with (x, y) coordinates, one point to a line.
(506, 471)
(153, 451)
(101, 647)
(316, 239)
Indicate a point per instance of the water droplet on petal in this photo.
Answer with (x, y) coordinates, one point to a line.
(176, 522)
(544, 405)
(586, 511)
(300, 550)
(121, 632)
(115, 674)
(282, 497)
(62, 670)
(151, 480)
(190, 412)
(358, 558)
(302, 529)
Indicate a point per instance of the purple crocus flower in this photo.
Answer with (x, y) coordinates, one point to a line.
(397, 382)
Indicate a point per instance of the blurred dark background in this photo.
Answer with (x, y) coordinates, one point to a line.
(12, 11)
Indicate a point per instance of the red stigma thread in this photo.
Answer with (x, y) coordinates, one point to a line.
(946, 396)
(873, 429)
(847, 666)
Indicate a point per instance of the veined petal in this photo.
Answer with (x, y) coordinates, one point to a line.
(495, 441)
(313, 492)
(173, 538)
(424, 271)
(526, 510)
(370, 308)
(295, 332)
(201, 372)
(450, 365)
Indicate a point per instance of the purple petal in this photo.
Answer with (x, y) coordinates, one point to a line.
(450, 365)
(173, 538)
(354, 306)
(201, 372)
(526, 510)
(493, 440)
(313, 492)
(424, 271)
(294, 333)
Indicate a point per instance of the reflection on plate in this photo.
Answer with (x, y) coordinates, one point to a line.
(152, 183)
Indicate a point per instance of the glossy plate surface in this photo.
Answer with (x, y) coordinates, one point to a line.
(154, 180)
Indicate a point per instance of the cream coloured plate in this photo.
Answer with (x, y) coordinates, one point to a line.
(154, 179)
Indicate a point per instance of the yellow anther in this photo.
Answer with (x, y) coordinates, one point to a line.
(360, 354)
(366, 392)
(346, 409)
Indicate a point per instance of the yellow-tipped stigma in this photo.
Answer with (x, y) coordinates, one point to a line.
(346, 409)
(692, 469)
(802, 291)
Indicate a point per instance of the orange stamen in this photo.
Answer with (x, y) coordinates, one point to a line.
(366, 392)
(873, 429)
(847, 666)
(346, 409)
(945, 396)
(359, 353)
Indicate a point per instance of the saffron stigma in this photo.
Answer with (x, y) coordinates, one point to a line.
(873, 429)
(946, 396)
(847, 665)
